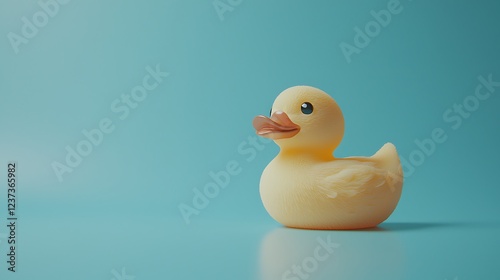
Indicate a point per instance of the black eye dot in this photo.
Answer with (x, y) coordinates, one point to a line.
(306, 108)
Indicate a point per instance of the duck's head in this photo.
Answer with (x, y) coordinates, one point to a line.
(303, 118)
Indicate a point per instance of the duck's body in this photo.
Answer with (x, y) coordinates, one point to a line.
(304, 192)
(305, 186)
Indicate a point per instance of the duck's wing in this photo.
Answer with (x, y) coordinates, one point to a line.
(350, 177)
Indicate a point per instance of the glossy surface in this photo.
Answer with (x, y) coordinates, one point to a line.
(150, 248)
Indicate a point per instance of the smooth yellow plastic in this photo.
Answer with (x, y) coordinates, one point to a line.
(305, 186)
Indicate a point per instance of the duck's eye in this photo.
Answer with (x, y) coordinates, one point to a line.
(306, 108)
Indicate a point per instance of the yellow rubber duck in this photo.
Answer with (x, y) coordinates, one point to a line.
(305, 185)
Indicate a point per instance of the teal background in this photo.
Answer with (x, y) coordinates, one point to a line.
(120, 207)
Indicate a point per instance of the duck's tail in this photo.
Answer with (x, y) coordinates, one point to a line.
(388, 159)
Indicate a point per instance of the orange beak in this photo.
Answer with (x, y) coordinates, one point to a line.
(279, 126)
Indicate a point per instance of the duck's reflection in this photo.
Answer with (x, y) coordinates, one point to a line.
(304, 254)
